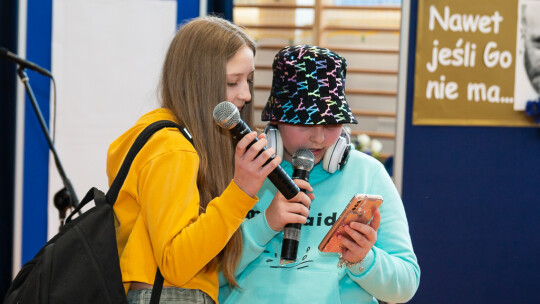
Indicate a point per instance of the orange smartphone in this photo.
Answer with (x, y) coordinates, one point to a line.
(360, 209)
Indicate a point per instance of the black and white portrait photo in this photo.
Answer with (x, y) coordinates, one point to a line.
(527, 77)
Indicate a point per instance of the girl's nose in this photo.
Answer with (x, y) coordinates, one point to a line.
(317, 134)
(245, 94)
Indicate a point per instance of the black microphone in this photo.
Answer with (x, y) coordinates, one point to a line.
(302, 161)
(227, 116)
(23, 62)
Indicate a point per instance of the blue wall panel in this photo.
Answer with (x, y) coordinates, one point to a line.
(36, 156)
(187, 10)
(472, 200)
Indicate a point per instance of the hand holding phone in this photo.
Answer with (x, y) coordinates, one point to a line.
(360, 209)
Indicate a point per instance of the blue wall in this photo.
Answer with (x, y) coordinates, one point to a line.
(36, 156)
(187, 10)
(36, 150)
(471, 195)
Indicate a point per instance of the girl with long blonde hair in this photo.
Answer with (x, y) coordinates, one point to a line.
(181, 204)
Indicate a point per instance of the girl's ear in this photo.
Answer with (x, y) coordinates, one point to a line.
(336, 156)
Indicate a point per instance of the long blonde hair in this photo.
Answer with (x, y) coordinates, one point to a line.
(193, 82)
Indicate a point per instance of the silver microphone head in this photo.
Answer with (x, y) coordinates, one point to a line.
(303, 159)
(226, 115)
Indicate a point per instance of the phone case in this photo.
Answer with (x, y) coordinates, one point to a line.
(360, 209)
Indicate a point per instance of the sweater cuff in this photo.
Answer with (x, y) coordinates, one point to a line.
(259, 230)
(239, 202)
(360, 269)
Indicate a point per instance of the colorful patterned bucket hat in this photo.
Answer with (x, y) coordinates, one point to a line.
(308, 88)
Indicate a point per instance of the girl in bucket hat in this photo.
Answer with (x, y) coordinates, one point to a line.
(307, 108)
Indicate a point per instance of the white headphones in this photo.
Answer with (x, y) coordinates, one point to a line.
(334, 158)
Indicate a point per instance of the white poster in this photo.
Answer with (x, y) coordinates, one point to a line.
(106, 59)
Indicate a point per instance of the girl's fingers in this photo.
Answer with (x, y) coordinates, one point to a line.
(347, 243)
(244, 142)
(376, 221)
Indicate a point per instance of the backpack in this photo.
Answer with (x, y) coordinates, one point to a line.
(80, 264)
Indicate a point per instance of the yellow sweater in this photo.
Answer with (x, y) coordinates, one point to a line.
(158, 211)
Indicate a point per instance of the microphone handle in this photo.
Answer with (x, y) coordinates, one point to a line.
(278, 176)
(291, 239)
(283, 183)
(238, 132)
(291, 232)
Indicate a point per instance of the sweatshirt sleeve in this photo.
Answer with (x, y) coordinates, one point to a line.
(256, 233)
(390, 271)
(184, 241)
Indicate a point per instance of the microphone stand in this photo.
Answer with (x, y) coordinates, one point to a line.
(68, 187)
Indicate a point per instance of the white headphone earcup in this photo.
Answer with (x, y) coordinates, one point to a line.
(334, 154)
(273, 139)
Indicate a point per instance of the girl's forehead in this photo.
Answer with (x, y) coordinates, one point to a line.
(309, 127)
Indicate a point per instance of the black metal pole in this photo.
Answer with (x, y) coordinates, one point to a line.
(67, 184)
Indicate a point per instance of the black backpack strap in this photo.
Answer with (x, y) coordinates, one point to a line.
(158, 286)
(93, 194)
(112, 194)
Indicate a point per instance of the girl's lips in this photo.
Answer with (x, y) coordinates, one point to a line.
(316, 151)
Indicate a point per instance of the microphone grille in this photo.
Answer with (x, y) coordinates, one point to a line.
(226, 115)
(304, 159)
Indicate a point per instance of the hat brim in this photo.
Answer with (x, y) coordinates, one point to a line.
(303, 111)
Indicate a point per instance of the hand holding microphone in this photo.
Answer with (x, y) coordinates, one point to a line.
(227, 116)
(251, 164)
(289, 215)
(302, 161)
(281, 212)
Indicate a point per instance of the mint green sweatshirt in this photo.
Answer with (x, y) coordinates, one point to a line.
(390, 270)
